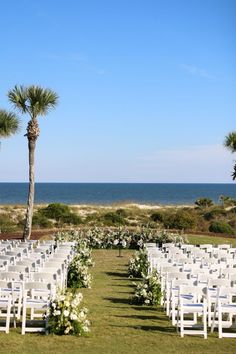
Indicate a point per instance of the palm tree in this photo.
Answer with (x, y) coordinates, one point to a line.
(9, 123)
(230, 143)
(35, 101)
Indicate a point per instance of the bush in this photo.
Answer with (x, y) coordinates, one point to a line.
(6, 223)
(215, 213)
(61, 213)
(122, 212)
(204, 202)
(182, 220)
(221, 227)
(71, 219)
(157, 216)
(112, 218)
(40, 220)
(55, 211)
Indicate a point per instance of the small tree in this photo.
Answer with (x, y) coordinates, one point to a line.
(204, 202)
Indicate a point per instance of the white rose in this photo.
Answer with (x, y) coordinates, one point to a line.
(66, 313)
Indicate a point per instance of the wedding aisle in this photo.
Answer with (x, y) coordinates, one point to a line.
(117, 326)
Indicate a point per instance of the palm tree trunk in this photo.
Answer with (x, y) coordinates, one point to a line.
(30, 203)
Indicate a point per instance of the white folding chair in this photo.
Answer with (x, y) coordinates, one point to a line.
(224, 308)
(190, 304)
(36, 297)
(5, 304)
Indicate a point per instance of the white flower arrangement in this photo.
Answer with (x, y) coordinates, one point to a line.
(104, 237)
(78, 275)
(66, 316)
(148, 291)
(138, 264)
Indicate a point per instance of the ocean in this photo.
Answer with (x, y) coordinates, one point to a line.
(109, 193)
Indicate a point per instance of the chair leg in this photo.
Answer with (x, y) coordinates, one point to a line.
(23, 319)
(8, 316)
(220, 321)
(181, 323)
(205, 321)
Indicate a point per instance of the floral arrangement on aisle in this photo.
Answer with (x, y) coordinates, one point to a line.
(66, 316)
(105, 237)
(138, 264)
(84, 254)
(78, 274)
(78, 269)
(148, 291)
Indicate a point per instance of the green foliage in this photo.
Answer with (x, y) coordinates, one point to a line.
(214, 213)
(230, 141)
(6, 223)
(112, 218)
(204, 202)
(227, 201)
(55, 211)
(181, 220)
(61, 213)
(221, 227)
(157, 216)
(9, 123)
(122, 212)
(40, 220)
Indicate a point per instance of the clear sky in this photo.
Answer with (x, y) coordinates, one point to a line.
(147, 88)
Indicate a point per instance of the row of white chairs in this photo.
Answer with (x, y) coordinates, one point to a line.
(29, 282)
(196, 282)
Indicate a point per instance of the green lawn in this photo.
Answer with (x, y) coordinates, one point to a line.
(117, 326)
(215, 240)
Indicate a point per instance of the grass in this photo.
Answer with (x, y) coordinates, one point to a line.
(117, 326)
(215, 240)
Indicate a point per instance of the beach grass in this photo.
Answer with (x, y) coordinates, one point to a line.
(117, 326)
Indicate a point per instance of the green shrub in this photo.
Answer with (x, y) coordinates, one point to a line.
(40, 220)
(6, 223)
(204, 202)
(112, 218)
(122, 212)
(221, 227)
(157, 216)
(182, 220)
(55, 211)
(216, 212)
(71, 218)
(61, 213)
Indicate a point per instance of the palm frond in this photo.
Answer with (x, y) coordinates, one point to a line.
(40, 100)
(234, 173)
(18, 97)
(230, 141)
(9, 123)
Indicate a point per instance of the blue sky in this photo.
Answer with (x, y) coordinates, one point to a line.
(147, 88)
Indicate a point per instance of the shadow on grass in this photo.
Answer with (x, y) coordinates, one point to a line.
(144, 308)
(127, 285)
(140, 317)
(116, 300)
(117, 274)
(162, 329)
